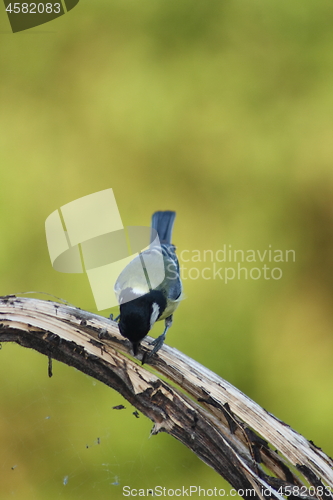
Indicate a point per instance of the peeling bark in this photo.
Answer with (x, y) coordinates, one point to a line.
(226, 429)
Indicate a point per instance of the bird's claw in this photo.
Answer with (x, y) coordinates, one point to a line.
(115, 319)
(157, 343)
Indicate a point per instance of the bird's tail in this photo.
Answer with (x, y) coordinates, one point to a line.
(162, 222)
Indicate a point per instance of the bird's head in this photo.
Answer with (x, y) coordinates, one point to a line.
(139, 313)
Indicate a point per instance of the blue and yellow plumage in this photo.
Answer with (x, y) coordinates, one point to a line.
(142, 303)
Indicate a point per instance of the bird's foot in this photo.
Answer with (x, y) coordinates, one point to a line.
(115, 319)
(157, 343)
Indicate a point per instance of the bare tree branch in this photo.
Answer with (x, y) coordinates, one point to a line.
(219, 423)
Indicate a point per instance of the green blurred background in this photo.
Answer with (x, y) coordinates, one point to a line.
(223, 111)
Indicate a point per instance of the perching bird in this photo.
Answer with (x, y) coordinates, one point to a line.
(140, 304)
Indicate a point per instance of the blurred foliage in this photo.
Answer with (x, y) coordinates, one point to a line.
(223, 111)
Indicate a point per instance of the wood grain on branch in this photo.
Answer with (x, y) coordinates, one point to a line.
(258, 454)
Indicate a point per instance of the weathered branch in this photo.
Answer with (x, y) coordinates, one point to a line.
(225, 428)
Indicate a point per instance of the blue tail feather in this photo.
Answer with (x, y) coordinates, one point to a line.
(162, 222)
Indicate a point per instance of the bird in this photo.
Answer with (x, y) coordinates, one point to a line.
(149, 288)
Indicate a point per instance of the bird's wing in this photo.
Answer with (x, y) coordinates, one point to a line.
(155, 268)
(132, 277)
(172, 282)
